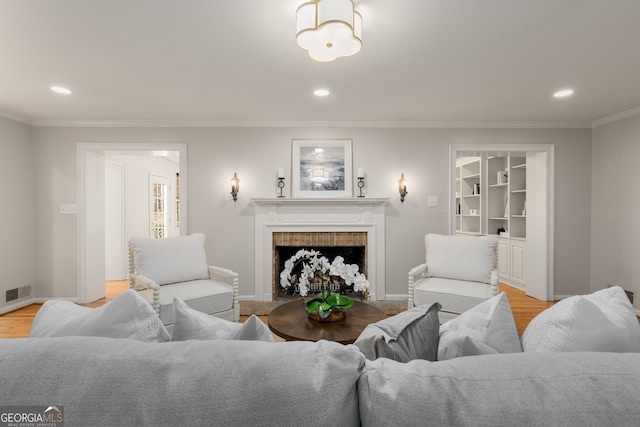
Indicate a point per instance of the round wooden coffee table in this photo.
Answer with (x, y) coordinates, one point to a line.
(290, 321)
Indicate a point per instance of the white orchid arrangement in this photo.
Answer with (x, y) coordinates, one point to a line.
(313, 262)
(325, 301)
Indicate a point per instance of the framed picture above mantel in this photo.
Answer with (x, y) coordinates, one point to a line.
(321, 168)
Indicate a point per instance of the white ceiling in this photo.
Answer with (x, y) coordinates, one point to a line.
(235, 62)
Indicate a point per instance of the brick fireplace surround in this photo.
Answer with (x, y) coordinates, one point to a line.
(318, 222)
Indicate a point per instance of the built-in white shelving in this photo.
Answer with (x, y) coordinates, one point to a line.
(468, 197)
(491, 194)
(506, 205)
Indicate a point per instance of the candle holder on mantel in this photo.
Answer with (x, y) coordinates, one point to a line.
(281, 186)
(361, 185)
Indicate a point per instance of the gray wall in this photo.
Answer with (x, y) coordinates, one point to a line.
(18, 207)
(615, 205)
(214, 154)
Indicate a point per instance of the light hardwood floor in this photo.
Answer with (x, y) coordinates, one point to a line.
(17, 324)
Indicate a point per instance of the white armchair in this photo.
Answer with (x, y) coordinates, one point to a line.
(162, 269)
(460, 272)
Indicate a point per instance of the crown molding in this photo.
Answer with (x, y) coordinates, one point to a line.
(477, 124)
(16, 118)
(615, 117)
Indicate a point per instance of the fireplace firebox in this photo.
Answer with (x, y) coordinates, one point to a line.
(351, 254)
(352, 246)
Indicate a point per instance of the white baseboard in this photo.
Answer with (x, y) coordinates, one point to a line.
(43, 300)
(513, 284)
(246, 298)
(17, 305)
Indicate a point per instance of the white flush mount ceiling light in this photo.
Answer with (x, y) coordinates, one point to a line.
(321, 92)
(329, 29)
(563, 93)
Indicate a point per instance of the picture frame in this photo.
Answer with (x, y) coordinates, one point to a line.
(321, 168)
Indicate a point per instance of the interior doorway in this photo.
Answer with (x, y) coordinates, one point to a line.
(91, 199)
(141, 200)
(538, 204)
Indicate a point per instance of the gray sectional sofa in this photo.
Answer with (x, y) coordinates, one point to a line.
(577, 364)
(124, 382)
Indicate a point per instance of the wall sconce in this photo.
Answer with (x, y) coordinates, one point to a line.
(235, 186)
(402, 187)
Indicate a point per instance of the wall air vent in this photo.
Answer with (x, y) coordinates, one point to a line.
(11, 295)
(17, 293)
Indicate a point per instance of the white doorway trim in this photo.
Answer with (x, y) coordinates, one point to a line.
(496, 149)
(87, 276)
(115, 233)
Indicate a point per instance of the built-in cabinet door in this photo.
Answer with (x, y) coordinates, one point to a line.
(518, 261)
(512, 261)
(503, 258)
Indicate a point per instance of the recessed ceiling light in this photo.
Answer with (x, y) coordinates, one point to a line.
(62, 90)
(321, 92)
(563, 93)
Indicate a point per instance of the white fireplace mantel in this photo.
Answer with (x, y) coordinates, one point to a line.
(358, 214)
(319, 200)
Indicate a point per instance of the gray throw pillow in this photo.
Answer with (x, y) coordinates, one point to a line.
(602, 321)
(128, 315)
(192, 324)
(453, 344)
(487, 328)
(410, 335)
